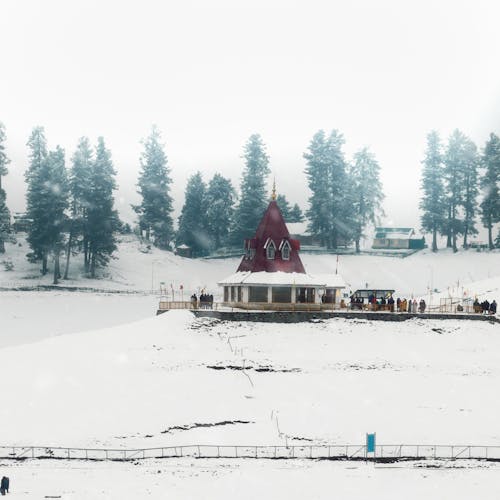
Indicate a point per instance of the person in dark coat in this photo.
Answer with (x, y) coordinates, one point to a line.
(4, 485)
(493, 307)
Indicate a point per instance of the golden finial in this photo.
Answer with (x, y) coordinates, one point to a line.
(273, 195)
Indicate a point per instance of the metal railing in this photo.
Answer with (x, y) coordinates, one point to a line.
(315, 452)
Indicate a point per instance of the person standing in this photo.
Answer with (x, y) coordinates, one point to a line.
(4, 485)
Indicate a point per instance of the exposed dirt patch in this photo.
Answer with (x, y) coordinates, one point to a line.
(197, 425)
(268, 369)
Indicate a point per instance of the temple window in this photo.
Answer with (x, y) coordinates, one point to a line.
(285, 251)
(271, 250)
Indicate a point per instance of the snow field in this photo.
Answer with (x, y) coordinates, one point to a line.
(150, 383)
(250, 479)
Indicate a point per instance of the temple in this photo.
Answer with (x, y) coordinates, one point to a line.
(271, 274)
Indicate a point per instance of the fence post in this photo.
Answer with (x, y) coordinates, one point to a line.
(236, 451)
(32, 452)
(68, 454)
(199, 452)
(256, 454)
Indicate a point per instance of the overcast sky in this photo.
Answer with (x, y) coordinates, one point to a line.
(210, 73)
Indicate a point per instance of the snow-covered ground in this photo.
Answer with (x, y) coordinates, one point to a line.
(250, 479)
(127, 379)
(150, 383)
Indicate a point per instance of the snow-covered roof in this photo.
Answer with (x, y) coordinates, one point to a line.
(281, 278)
(183, 246)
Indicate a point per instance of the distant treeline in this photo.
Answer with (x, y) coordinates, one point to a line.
(71, 210)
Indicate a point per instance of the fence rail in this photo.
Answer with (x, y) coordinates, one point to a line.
(315, 452)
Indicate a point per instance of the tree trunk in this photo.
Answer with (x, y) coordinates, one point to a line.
(489, 226)
(57, 273)
(449, 230)
(357, 245)
(148, 231)
(434, 240)
(466, 231)
(44, 264)
(86, 256)
(2, 245)
(92, 266)
(68, 254)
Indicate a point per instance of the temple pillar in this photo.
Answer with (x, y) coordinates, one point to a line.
(269, 294)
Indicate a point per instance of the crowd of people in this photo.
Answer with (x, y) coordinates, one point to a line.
(372, 303)
(206, 301)
(388, 304)
(485, 307)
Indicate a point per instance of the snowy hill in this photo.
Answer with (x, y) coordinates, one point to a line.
(134, 270)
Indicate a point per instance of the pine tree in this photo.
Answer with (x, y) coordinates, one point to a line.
(55, 193)
(470, 164)
(433, 202)
(36, 176)
(295, 214)
(155, 210)
(490, 181)
(79, 185)
(328, 182)
(193, 221)
(103, 221)
(454, 185)
(284, 206)
(317, 175)
(220, 199)
(4, 211)
(253, 199)
(367, 193)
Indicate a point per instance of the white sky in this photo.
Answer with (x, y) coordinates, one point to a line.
(211, 73)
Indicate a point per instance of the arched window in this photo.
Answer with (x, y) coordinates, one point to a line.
(271, 250)
(285, 250)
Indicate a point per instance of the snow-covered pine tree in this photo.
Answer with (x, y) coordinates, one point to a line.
(470, 176)
(253, 198)
(193, 219)
(36, 176)
(155, 210)
(55, 192)
(102, 218)
(79, 186)
(490, 182)
(328, 211)
(454, 185)
(4, 211)
(433, 202)
(366, 193)
(317, 177)
(220, 199)
(295, 214)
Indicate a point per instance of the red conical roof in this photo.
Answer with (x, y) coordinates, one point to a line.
(272, 230)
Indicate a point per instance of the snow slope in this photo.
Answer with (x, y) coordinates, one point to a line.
(134, 270)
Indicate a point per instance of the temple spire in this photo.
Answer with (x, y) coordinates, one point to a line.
(273, 195)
